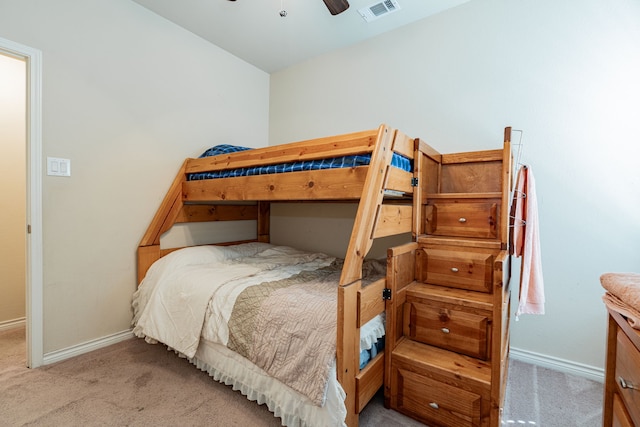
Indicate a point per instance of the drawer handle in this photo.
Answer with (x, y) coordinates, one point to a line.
(454, 270)
(434, 405)
(462, 220)
(624, 384)
(445, 330)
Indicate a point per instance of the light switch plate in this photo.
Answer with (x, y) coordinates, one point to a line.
(58, 167)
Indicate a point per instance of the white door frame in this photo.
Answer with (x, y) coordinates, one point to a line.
(34, 273)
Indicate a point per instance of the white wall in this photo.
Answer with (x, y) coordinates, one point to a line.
(13, 126)
(564, 72)
(126, 96)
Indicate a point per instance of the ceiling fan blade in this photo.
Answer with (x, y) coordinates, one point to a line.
(336, 6)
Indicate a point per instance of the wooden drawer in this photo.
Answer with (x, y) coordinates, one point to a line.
(628, 375)
(456, 321)
(456, 268)
(462, 218)
(620, 416)
(439, 403)
(423, 389)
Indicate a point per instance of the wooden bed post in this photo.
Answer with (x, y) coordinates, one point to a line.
(418, 160)
(507, 186)
(264, 222)
(400, 274)
(147, 255)
(346, 352)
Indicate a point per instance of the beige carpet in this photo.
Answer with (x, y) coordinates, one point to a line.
(541, 397)
(133, 383)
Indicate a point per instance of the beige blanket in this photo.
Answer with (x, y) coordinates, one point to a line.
(288, 328)
(623, 295)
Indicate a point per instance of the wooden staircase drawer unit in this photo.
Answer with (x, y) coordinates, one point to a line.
(628, 375)
(430, 394)
(458, 269)
(462, 219)
(453, 321)
(620, 416)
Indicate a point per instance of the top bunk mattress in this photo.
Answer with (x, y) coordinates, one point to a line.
(397, 161)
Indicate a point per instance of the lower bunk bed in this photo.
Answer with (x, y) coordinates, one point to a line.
(261, 319)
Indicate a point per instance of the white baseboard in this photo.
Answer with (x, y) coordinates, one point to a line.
(562, 365)
(77, 350)
(14, 323)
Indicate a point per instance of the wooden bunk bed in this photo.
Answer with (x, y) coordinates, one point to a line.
(389, 203)
(452, 277)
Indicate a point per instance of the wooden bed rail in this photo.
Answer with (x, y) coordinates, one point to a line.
(321, 148)
(328, 184)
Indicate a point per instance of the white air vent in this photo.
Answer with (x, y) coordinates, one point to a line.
(378, 10)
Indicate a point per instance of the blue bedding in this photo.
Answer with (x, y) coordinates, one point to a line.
(367, 355)
(332, 163)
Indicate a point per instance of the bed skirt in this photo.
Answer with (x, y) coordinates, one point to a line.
(295, 410)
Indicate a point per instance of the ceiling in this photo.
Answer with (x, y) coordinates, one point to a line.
(254, 31)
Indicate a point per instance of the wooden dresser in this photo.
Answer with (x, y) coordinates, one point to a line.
(622, 379)
(448, 320)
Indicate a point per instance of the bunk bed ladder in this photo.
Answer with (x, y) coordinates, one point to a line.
(373, 220)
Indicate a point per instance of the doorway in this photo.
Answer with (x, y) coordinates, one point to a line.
(32, 195)
(13, 186)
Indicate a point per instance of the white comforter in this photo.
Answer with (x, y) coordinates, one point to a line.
(183, 288)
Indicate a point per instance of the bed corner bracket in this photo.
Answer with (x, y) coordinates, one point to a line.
(386, 294)
(414, 181)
